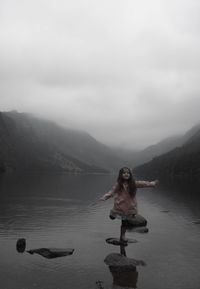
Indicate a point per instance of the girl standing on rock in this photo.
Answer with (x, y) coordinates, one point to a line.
(124, 193)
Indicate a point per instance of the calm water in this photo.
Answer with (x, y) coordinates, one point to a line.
(60, 211)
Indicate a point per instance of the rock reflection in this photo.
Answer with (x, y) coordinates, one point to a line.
(123, 269)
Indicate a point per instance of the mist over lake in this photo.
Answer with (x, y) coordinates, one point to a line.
(60, 210)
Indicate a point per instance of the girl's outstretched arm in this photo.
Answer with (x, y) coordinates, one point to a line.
(146, 184)
(109, 194)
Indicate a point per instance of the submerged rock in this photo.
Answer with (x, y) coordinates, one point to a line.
(51, 252)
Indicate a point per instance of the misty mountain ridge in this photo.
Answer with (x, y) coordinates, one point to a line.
(22, 149)
(30, 143)
(162, 147)
(182, 163)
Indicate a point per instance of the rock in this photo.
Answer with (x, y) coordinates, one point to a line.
(118, 242)
(118, 262)
(21, 245)
(51, 253)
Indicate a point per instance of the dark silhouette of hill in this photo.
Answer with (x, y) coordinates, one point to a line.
(181, 163)
(29, 143)
(135, 158)
(162, 147)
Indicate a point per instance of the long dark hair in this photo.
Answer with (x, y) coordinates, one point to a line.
(131, 181)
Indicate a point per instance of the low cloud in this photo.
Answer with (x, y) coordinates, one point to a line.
(128, 73)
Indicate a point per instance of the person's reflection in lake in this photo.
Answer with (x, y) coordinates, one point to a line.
(123, 269)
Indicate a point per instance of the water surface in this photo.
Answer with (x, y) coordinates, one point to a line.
(59, 210)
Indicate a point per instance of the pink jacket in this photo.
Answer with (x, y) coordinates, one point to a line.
(124, 203)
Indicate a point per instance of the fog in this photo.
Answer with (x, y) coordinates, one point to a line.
(127, 72)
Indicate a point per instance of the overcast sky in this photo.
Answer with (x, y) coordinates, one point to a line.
(125, 71)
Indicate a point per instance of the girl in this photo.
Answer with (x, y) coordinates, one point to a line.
(125, 203)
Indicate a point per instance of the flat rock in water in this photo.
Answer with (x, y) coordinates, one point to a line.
(120, 262)
(52, 252)
(118, 242)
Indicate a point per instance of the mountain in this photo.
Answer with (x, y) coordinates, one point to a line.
(29, 143)
(181, 163)
(158, 149)
(136, 158)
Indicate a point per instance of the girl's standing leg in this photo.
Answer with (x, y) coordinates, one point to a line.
(123, 231)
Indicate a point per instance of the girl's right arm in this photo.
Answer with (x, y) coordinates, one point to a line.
(109, 194)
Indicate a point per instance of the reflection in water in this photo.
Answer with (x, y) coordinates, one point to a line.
(40, 202)
(124, 278)
(123, 269)
(55, 211)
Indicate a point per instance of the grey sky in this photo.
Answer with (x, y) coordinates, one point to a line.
(125, 71)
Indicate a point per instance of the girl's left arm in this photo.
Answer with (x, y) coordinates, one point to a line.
(109, 194)
(146, 184)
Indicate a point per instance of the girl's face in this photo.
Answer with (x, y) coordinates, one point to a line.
(126, 174)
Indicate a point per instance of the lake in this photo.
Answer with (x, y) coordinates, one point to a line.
(61, 211)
